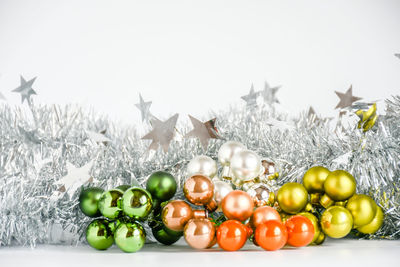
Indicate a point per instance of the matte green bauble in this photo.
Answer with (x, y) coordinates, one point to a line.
(99, 235)
(161, 185)
(123, 187)
(163, 237)
(130, 236)
(136, 203)
(110, 203)
(88, 201)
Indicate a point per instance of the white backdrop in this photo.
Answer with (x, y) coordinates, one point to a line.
(193, 56)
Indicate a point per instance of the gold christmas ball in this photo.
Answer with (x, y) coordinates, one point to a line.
(375, 224)
(340, 185)
(320, 239)
(336, 222)
(314, 178)
(315, 223)
(362, 208)
(292, 197)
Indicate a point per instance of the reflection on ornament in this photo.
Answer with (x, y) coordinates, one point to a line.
(245, 166)
(237, 205)
(336, 222)
(270, 172)
(340, 185)
(199, 233)
(314, 178)
(221, 189)
(130, 237)
(261, 195)
(375, 224)
(362, 208)
(203, 165)
(177, 213)
(99, 235)
(292, 197)
(225, 154)
(199, 190)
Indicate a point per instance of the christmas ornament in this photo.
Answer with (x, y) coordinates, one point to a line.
(270, 172)
(320, 239)
(136, 203)
(261, 195)
(161, 185)
(314, 178)
(123, 187)
(375, 224)
(271, 235)
(130, 237)
(199, 233)
(292, 197)
(221, 189)
(340, 185)
(99, 235)
(88, 201)
(315, 223)
(245, 166)
(237, 205)
(362, 208)
(300, 231)
(251, 98)
(177, 213)
(231, 235)
(162, 133)
(199, 190)
(25, 89)
(269, 93)
(110, 203)
(367, 118)
(161, 235)
(346, 99)
(336, 222)
(144, 108)
(225, 154)
(203, 130)
(262, 215)
(203, 165)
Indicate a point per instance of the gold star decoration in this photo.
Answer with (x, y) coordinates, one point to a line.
(162, 133)
(203, 130)
(25, 89)
(346, 99)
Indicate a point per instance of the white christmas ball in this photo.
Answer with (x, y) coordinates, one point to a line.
(246, 165)
(227, 150)
(203, 165)
(221, 189)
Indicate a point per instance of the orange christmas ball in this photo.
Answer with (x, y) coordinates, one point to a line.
(237, 205)
(231, 235)
(300, 231)
(262, 215)
(271, 235)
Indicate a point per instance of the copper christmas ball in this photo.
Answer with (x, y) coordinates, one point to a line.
(176, 214)
(262, 215)
(237, 205)
(199, 190)
(199, 233)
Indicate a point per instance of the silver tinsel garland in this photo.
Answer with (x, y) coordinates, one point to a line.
(36, 144)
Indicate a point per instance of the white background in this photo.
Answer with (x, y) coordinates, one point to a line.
(193, 56)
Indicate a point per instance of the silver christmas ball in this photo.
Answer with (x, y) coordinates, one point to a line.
(221, 189)
(246, 165)
(203, 165)
(227, 150)
(260, 194)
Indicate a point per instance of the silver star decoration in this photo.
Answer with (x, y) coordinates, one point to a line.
(25, 89)
(203, 130)
(162, 133)
(346, 99)
(74, 179)
(397, 55)
(251, 98)
(144, 108)
(269, 94)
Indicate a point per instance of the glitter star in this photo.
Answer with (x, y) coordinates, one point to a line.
(162, 133)
(269, 94)
(25, 89)
(144, 108)
(346, 99)
(251, 98)
(203, 130)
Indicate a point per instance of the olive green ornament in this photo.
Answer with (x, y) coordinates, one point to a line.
(161, 185)
(136, 203)
(161, 235)
(99, 235)
(88, 201)
(130, 236)
(110, 203)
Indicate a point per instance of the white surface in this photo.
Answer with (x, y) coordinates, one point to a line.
(338, 253)
(190, 56)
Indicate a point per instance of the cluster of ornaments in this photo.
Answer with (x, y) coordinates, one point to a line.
(228, 209)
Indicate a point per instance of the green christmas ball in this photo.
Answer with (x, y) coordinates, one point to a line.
(88, 201)
(99, 235)
(161, 185)
(172, 232)
(163, 237)
(130, 236)
(110, 203)
(136, 203)
(123, 187)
